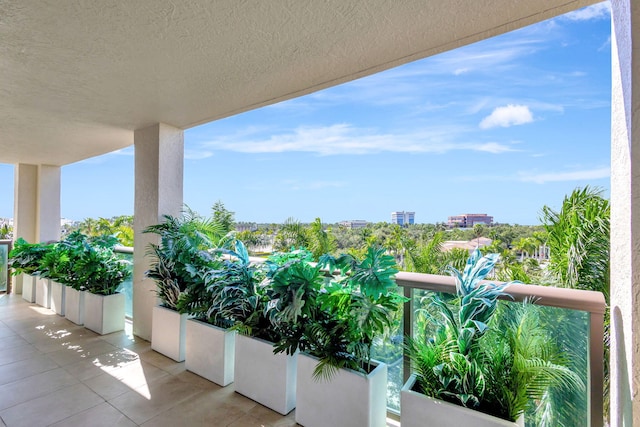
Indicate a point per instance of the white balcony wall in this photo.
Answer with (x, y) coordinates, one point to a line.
(625, 214)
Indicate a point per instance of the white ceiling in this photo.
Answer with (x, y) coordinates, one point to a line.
(78, 76)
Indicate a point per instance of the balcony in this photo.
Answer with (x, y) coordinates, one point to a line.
(53, 372)
(48, 362)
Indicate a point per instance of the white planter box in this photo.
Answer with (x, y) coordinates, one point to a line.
(16, 286)
(209, 352)
(43, 292)
(418, 410)
(74, 305)
(349, 399)
(104, 314)
(28, 288)
(168, 333)
(58, 291)
(267, 378)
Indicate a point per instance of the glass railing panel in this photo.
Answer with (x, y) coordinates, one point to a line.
(567, 329)
(127, 286)
(4, 267)
(389, 349)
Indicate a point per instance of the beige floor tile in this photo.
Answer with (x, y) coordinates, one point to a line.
(35, 386)
(158, 359)
(138, 373)
(198, 411)
(107, 386)
(18, 353)
(158, 396)
(230, 397)
(26, 368)
(79, 352)
(119, 381)
(103, 415)
(11, 341)
(84, 370)
(266, 415)
(248, 421)
(52, 407)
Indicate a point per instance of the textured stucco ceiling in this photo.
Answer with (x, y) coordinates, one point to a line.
(78, 76)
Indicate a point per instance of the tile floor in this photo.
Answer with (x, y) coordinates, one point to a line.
(54, 373)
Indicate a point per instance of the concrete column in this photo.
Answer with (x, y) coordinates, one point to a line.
(48, 203)
(159, 160)
(36, 210)
(25, 209)
(625, 214)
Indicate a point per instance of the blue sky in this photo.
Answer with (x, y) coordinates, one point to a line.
(502, 127)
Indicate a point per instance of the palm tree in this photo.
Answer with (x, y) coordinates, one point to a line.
(578, 240)
(320, 241)
(291, 234)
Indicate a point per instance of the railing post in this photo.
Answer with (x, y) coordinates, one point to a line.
(407, 316)
(596, 370)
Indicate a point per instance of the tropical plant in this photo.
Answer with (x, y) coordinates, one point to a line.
(25, 257)
(181, 254)
(497, 364)
(97, 268)
(233, 288)
(578, 240)
(355, 308)
(293, 308)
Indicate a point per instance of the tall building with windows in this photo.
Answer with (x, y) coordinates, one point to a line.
(402, 218)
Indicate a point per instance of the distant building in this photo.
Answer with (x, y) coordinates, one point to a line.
(469, 220)
(354, 223)
(402, 218)
(246, 226)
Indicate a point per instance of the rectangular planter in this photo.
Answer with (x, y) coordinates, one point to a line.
(104, 314)
(168, 333)
(74, 305)
(353, 399)
(419, 410)
(58, 291)
(210, 352)
(267, 378)
(43, 292)
(28, 288)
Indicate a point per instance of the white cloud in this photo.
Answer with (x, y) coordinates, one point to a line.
(579, 175)
(596, 11)
(510, 115)
(345, 139)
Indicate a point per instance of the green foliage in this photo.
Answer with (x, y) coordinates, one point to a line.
(233, 287)
(223, 217)
(78, 261)
(578, 239)
(355, 307)
(495, 363)
(25, 257)
(181, 256)
(120, 227)
(293, 308)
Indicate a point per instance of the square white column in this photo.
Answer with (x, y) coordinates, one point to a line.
(159, 163)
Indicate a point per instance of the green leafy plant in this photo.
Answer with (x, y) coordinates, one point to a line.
(495, 358)
(293, 285)
(181, 256)
(25, 257)
(354, 308)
